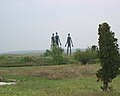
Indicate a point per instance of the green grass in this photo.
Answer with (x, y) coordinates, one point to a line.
(63, 80)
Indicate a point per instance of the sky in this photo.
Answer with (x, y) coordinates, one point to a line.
(29, 24)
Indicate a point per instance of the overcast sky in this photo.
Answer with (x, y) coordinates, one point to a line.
(28, 24)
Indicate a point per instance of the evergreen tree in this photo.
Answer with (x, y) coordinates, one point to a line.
(108, 54)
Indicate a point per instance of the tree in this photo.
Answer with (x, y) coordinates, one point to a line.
(108, 55)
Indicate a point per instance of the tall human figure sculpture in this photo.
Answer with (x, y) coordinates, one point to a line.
(57, 40)
(53, 40)
(69, 43)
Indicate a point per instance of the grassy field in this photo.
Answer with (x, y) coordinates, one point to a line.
(62, 80)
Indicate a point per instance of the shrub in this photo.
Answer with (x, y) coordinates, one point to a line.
(85, 56)
(57, 54)
(47, 53)
(26, 59)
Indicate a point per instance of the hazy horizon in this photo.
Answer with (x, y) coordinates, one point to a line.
(29, 24)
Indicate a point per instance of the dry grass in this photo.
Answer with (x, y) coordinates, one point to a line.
(54, 72)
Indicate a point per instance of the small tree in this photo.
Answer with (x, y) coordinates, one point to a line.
(57, 54)
(108, 54)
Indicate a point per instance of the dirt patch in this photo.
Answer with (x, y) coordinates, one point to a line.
(7, 83)
(4, 81)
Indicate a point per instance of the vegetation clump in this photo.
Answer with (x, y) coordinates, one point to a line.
(57, 55)
(85, 56)
(26, 59)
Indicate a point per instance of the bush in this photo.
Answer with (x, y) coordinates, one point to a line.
(47, 53)
(57, 54)
(85, 56)
(3, 58)
(26, 59)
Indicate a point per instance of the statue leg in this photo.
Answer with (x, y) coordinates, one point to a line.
(67, 49)
(70, 50)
